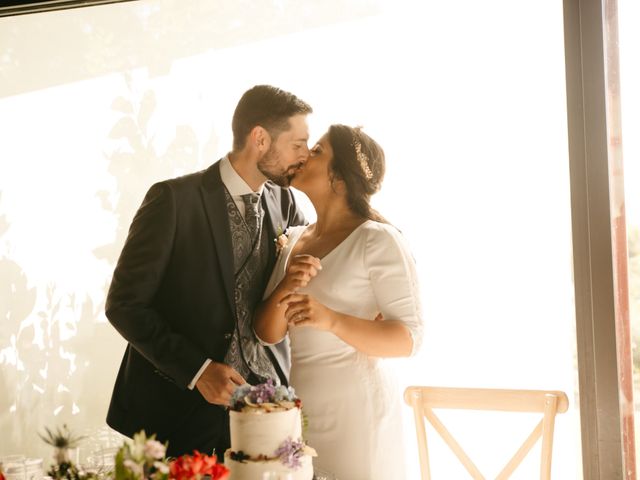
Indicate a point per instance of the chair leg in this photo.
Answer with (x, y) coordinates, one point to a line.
(421, 432)
(550, 409)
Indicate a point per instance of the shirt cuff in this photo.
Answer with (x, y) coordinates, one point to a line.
(206, 363)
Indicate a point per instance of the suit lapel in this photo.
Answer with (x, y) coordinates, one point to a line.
(273, 222)
(214, 200)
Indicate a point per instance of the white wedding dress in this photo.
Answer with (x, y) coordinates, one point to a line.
(351, 402)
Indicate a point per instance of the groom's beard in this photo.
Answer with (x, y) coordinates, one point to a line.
(269, 166)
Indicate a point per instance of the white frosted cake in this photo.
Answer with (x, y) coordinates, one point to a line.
(266, 434)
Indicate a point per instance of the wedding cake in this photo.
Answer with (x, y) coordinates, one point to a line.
(266, 434)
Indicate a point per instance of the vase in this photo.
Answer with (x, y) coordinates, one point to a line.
(61, 455)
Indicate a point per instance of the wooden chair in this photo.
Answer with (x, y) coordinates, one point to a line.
(424, 399)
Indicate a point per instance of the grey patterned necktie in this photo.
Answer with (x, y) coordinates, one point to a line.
(252, 213)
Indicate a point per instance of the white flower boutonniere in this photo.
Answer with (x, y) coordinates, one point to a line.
(281, 240)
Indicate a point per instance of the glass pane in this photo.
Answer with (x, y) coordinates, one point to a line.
(466, 97)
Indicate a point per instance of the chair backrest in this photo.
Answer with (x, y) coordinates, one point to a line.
(424, 399)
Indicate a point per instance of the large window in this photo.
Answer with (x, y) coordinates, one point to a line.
(466, 97)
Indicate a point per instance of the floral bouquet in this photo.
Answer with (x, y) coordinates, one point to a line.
(144, 459)
(196, 466)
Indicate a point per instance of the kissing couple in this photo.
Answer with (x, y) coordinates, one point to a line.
(222, 282)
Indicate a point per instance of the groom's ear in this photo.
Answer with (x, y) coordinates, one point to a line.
(260, 138)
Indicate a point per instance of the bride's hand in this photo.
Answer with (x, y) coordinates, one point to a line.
(303, 309)
(301, 269)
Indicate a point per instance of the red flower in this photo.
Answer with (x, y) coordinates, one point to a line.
(196, 466)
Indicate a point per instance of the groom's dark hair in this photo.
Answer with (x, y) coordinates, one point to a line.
(268, 107)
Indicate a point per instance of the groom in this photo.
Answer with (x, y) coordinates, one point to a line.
(197, 258)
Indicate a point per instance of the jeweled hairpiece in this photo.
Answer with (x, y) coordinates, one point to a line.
(362, 158)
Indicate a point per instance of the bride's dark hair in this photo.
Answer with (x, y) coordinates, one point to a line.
(358, 160)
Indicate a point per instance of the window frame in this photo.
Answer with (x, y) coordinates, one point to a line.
(600, 347)
(12, 8)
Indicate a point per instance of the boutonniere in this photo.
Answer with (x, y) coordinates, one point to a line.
(281, 239)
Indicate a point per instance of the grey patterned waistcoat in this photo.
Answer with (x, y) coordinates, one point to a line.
(250, 259)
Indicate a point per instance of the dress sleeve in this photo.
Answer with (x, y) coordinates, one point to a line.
(394, 279)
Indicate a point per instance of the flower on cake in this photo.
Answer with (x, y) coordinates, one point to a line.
(239, 456)
(291, 451)
(267, 394)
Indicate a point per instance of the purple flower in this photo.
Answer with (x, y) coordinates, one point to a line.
(265, 392)
(290, 452)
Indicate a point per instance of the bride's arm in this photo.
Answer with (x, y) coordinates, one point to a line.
(394, 283)
(379, 338)
(269, 322)
(386, 338)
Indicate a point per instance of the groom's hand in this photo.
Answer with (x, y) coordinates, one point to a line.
(218, 382)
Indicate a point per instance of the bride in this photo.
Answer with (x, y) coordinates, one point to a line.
(345, 291)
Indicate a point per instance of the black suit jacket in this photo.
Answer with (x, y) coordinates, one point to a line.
(172, 297)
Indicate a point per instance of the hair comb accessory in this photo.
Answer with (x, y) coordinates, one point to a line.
(362, 158)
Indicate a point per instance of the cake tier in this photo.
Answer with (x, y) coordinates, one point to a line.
(255, 469)
(256, 432)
